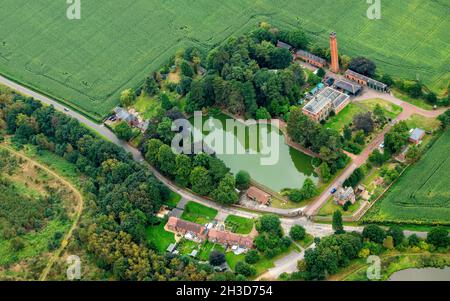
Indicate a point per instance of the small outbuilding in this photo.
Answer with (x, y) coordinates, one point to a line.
(171, 248)
(258, 195)
(416, 136)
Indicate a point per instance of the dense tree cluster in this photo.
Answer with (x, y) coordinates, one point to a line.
(330, 254)
(270, 240)
(396, 138)
(125, 193)
(247, 74)
(325, 142)
(204, 174)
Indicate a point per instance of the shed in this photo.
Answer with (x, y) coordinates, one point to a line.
(258, 195)
(416, 135)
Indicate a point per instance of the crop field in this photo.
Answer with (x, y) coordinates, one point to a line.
(87, 63)
(422, 194)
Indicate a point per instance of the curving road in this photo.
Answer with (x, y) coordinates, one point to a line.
(315, 229)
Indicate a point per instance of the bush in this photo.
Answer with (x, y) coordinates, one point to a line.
(374, 233)
(397, 234)
(438, 237)
(216, 258)
(245, 269)
(242, 180)
(252, 257)
(297, 232)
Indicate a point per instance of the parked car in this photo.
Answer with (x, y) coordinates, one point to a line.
(333, 190)
(66, 109)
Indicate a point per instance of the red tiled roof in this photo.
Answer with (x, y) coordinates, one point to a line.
(177, 224)
(258, 195)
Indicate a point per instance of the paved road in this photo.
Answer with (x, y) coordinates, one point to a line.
(108, 134)
(357, 161)
(317, 230)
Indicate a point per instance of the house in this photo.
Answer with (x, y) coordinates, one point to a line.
(366, 81)
(345, 195)
(311, 58)
(258, 195)
(124, 115)
(416, 136)
(327, 100)
(194, 253)
(281, 44)
(230, 239)
(188, 229)
(350, 88)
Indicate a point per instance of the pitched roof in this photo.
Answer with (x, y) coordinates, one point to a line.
(311, 56)
(121, 113)
(179, 224)
(324, 97)
(284, 45)
(348, 86)
(230, 238)
(417, 134)
(258, 195)
(366, 79)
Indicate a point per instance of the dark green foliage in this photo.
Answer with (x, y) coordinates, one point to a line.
(123, 196)
(338, 225)
(438, 237)
(374, 233)
(354, 178)
(245, 269)
(252, 257)
(397, 234)
(297, 232)
(331, 253)
(124, 131)
(396, 138)
(216, 258)
(242, 180)
(363, 66)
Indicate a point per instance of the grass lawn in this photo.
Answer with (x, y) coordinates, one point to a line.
(160, 237)
(282, 204)
(421, 103)
(174, 199)
(198, 213)
(147, 106)
(307, 241)
(185, 247)
(263, 264)
(237, 224)
(330, 207)
(206, 249)
(345, 117)
(391, 110)
(427, 124)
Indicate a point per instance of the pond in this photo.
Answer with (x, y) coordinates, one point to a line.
(426, 274)
(289, 169)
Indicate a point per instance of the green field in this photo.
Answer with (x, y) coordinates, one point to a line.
(237, 224)
(160, 237)
(88, 62)
(422, 194)
(198, 213)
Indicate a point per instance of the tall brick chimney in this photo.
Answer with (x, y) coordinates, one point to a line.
(334, 53)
